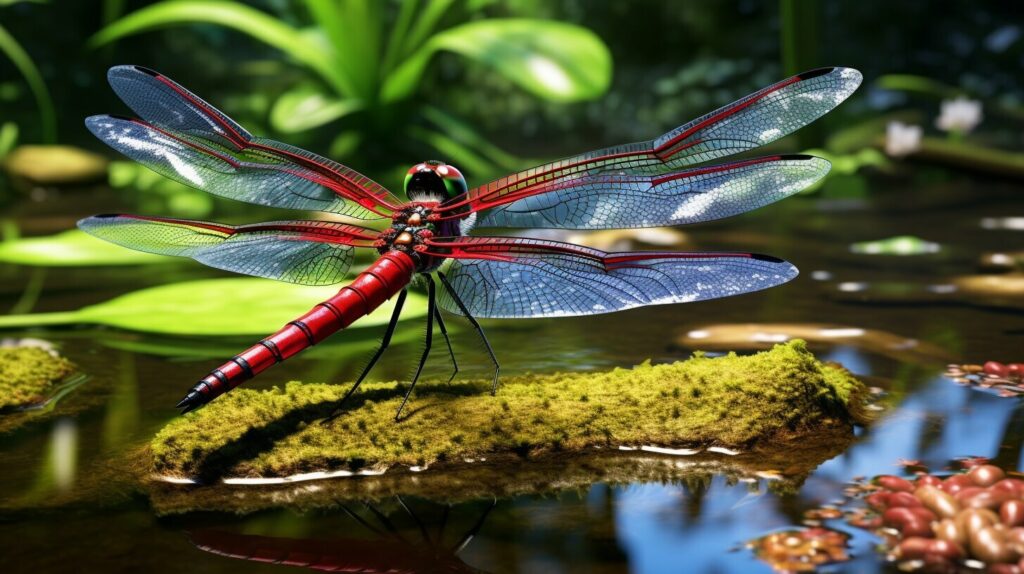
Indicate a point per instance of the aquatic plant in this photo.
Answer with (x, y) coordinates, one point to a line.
(739, 402)
(198, 308)
(901, 139)
(71, 248)
(360, 71)
(959, 115)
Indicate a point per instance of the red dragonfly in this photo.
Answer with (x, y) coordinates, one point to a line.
(644, 184)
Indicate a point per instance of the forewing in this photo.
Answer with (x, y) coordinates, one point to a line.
(518, 278)
(173, 118)
(614, 201)
(750, 122)
(304, 252)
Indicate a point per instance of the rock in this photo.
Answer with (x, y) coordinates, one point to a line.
(29, 375)
(55, 165)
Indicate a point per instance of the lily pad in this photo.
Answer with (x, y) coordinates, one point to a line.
(209, 307)
(764, 335)
(900, 245)
(72, 248)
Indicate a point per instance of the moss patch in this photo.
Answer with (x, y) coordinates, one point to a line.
(732, 401)
(29, 375)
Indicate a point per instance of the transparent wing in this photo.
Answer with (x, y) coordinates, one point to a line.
(304, 252)
(615, 201)
(750, 122)
(505, 277)
(184, 138)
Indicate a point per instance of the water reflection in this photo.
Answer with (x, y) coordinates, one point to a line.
(384, 538)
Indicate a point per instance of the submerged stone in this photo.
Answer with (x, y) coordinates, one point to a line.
(702, 405)
(55, 165)
(29, 376)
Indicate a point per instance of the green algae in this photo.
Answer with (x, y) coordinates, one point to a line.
(29, 376)
(736, 402)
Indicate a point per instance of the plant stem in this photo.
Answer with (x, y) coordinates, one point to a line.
(22, 61)
(39, 319)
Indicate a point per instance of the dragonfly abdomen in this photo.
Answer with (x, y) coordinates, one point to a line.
(369, 290)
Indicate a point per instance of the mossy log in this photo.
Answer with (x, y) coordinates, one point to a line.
(29, 376)
(731, 402)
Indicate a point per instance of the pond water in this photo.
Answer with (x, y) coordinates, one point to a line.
(696, 526)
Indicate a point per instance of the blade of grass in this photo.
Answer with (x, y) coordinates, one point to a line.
(465, 133)
(426, 22)
(396, 38)
(21, 60)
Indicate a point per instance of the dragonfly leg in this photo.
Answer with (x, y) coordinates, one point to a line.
(444, 332)
(431, 309)
(376, 356)
(479, 329)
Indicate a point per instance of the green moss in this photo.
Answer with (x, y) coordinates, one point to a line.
(733, 401)
(29, 375)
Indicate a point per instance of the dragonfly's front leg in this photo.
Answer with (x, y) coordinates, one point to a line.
(431, 311)
(479, 329)
(444, 333)
(395, 315)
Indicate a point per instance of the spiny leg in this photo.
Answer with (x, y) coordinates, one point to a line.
(376, 356)
(479, 329)
(444, 332)
(468, 536)
(431, 309)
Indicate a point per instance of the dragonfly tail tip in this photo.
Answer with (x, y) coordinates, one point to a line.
(192, 401)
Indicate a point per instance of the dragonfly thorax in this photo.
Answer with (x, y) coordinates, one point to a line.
(410, 229)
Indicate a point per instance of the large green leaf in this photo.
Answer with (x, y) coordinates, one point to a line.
(307, 107)
(72, 248)
(552, 60)
(257, 24)
(353, 29)
(209, 307)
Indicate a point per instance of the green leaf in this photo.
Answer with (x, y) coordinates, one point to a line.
(210, 307)
(23, 62)
(361, 339)
(234, 15)
(552, 60)
(307, 107)
(353, 30)
(918, 84)
(8, 138)
(72, 248)
(463, 132)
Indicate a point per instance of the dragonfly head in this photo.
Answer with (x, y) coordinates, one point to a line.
(434, 181)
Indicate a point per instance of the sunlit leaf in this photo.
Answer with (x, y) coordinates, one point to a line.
(307, 107)
(552, 60)
(353, 30)
(357, 341)
(250, 21)
(8, 137)
(210, 307)
(72, 248)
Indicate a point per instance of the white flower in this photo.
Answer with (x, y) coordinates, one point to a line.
(959, 115)
(902, 139)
